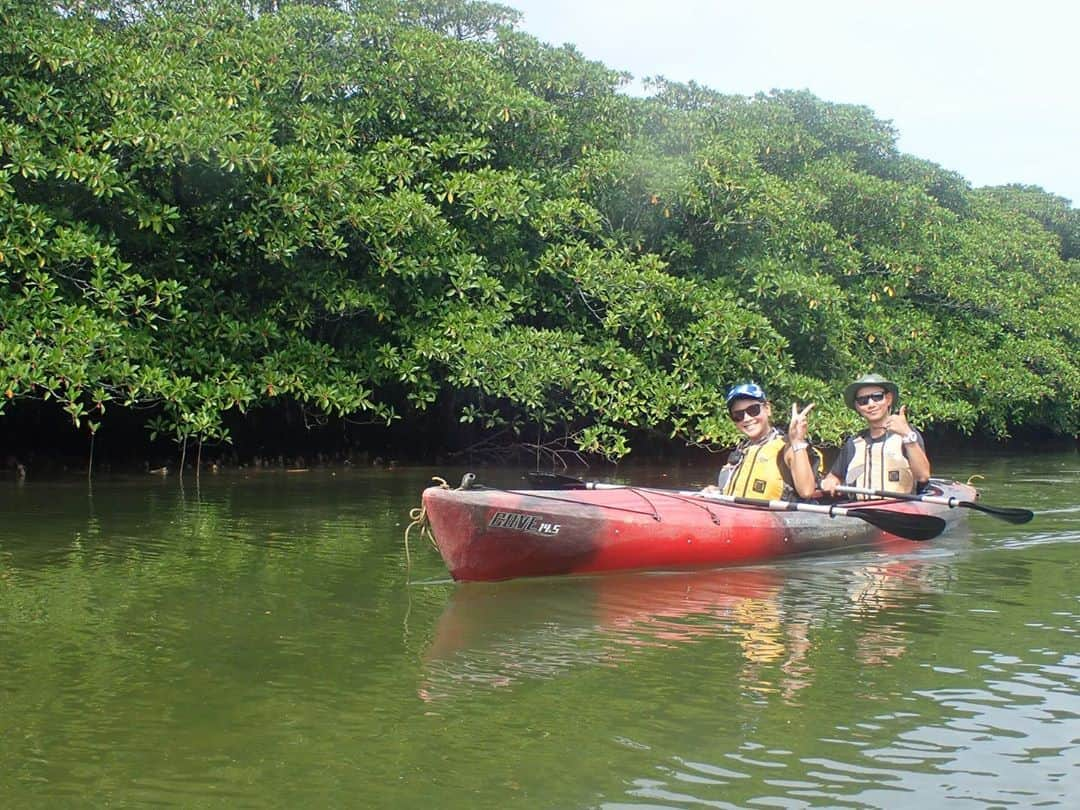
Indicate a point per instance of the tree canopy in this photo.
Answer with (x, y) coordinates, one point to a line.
(380, 210)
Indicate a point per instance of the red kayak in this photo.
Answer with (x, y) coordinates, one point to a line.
(491, 534)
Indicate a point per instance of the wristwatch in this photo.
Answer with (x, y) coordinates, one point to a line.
(910, 438)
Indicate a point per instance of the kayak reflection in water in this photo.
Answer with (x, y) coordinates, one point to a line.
(500, 636)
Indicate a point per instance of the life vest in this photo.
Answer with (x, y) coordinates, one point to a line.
(753, 470)
(880, 465)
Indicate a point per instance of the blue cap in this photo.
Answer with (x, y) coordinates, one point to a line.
(746, 391)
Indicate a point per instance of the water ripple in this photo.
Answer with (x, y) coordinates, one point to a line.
(162, 648)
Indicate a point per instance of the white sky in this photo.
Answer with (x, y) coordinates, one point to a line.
(986, 88)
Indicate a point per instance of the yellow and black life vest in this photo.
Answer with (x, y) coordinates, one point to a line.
(880, 465)
(754, 470)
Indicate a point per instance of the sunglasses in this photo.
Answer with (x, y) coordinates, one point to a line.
(866, 399)
(749, 410)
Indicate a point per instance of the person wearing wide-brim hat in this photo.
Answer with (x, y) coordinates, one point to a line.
(889, 454)
(767, 464)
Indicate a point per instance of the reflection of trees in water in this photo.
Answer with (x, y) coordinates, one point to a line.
(127, 583)
(497, 636)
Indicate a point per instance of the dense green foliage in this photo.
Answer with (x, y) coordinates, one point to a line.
(377, 212)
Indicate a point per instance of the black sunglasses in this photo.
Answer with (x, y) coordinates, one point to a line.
(877, 396)
(749, 410)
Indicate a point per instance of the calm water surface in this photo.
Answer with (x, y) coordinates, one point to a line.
(260, 641)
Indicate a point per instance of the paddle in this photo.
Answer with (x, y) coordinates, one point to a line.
(902, 524)
(1011, 514)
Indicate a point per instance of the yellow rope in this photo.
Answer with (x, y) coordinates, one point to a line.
(420, 520)
(971, 478)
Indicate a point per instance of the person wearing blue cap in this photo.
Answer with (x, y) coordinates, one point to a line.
(766, 464)
(889, 454)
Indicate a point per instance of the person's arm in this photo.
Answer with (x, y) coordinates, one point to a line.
(838, 470)
(913, 445)
(829, 484)
(797, 456)
(797, 453)
(918, 460)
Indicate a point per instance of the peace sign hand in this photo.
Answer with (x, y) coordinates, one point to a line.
(799, 427)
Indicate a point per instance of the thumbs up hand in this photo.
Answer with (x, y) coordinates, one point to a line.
(898, 423)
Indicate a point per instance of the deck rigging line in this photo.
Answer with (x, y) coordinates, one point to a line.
(639, 491)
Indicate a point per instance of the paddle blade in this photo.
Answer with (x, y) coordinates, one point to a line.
(1009, 513)
(902, 524)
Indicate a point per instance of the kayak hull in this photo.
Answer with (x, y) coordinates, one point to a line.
(495, 534)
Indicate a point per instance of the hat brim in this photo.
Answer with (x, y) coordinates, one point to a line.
(737, 397)
(849, 392)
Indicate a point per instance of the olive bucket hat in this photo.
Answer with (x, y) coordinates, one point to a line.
(870, 379)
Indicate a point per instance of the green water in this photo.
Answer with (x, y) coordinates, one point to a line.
(258, 641)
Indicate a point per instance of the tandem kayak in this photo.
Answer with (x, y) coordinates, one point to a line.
(486, 533)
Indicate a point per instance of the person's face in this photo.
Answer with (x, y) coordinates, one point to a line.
(873, 403)
(751, 416)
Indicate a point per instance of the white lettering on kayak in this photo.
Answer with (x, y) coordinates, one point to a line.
(518, 522)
